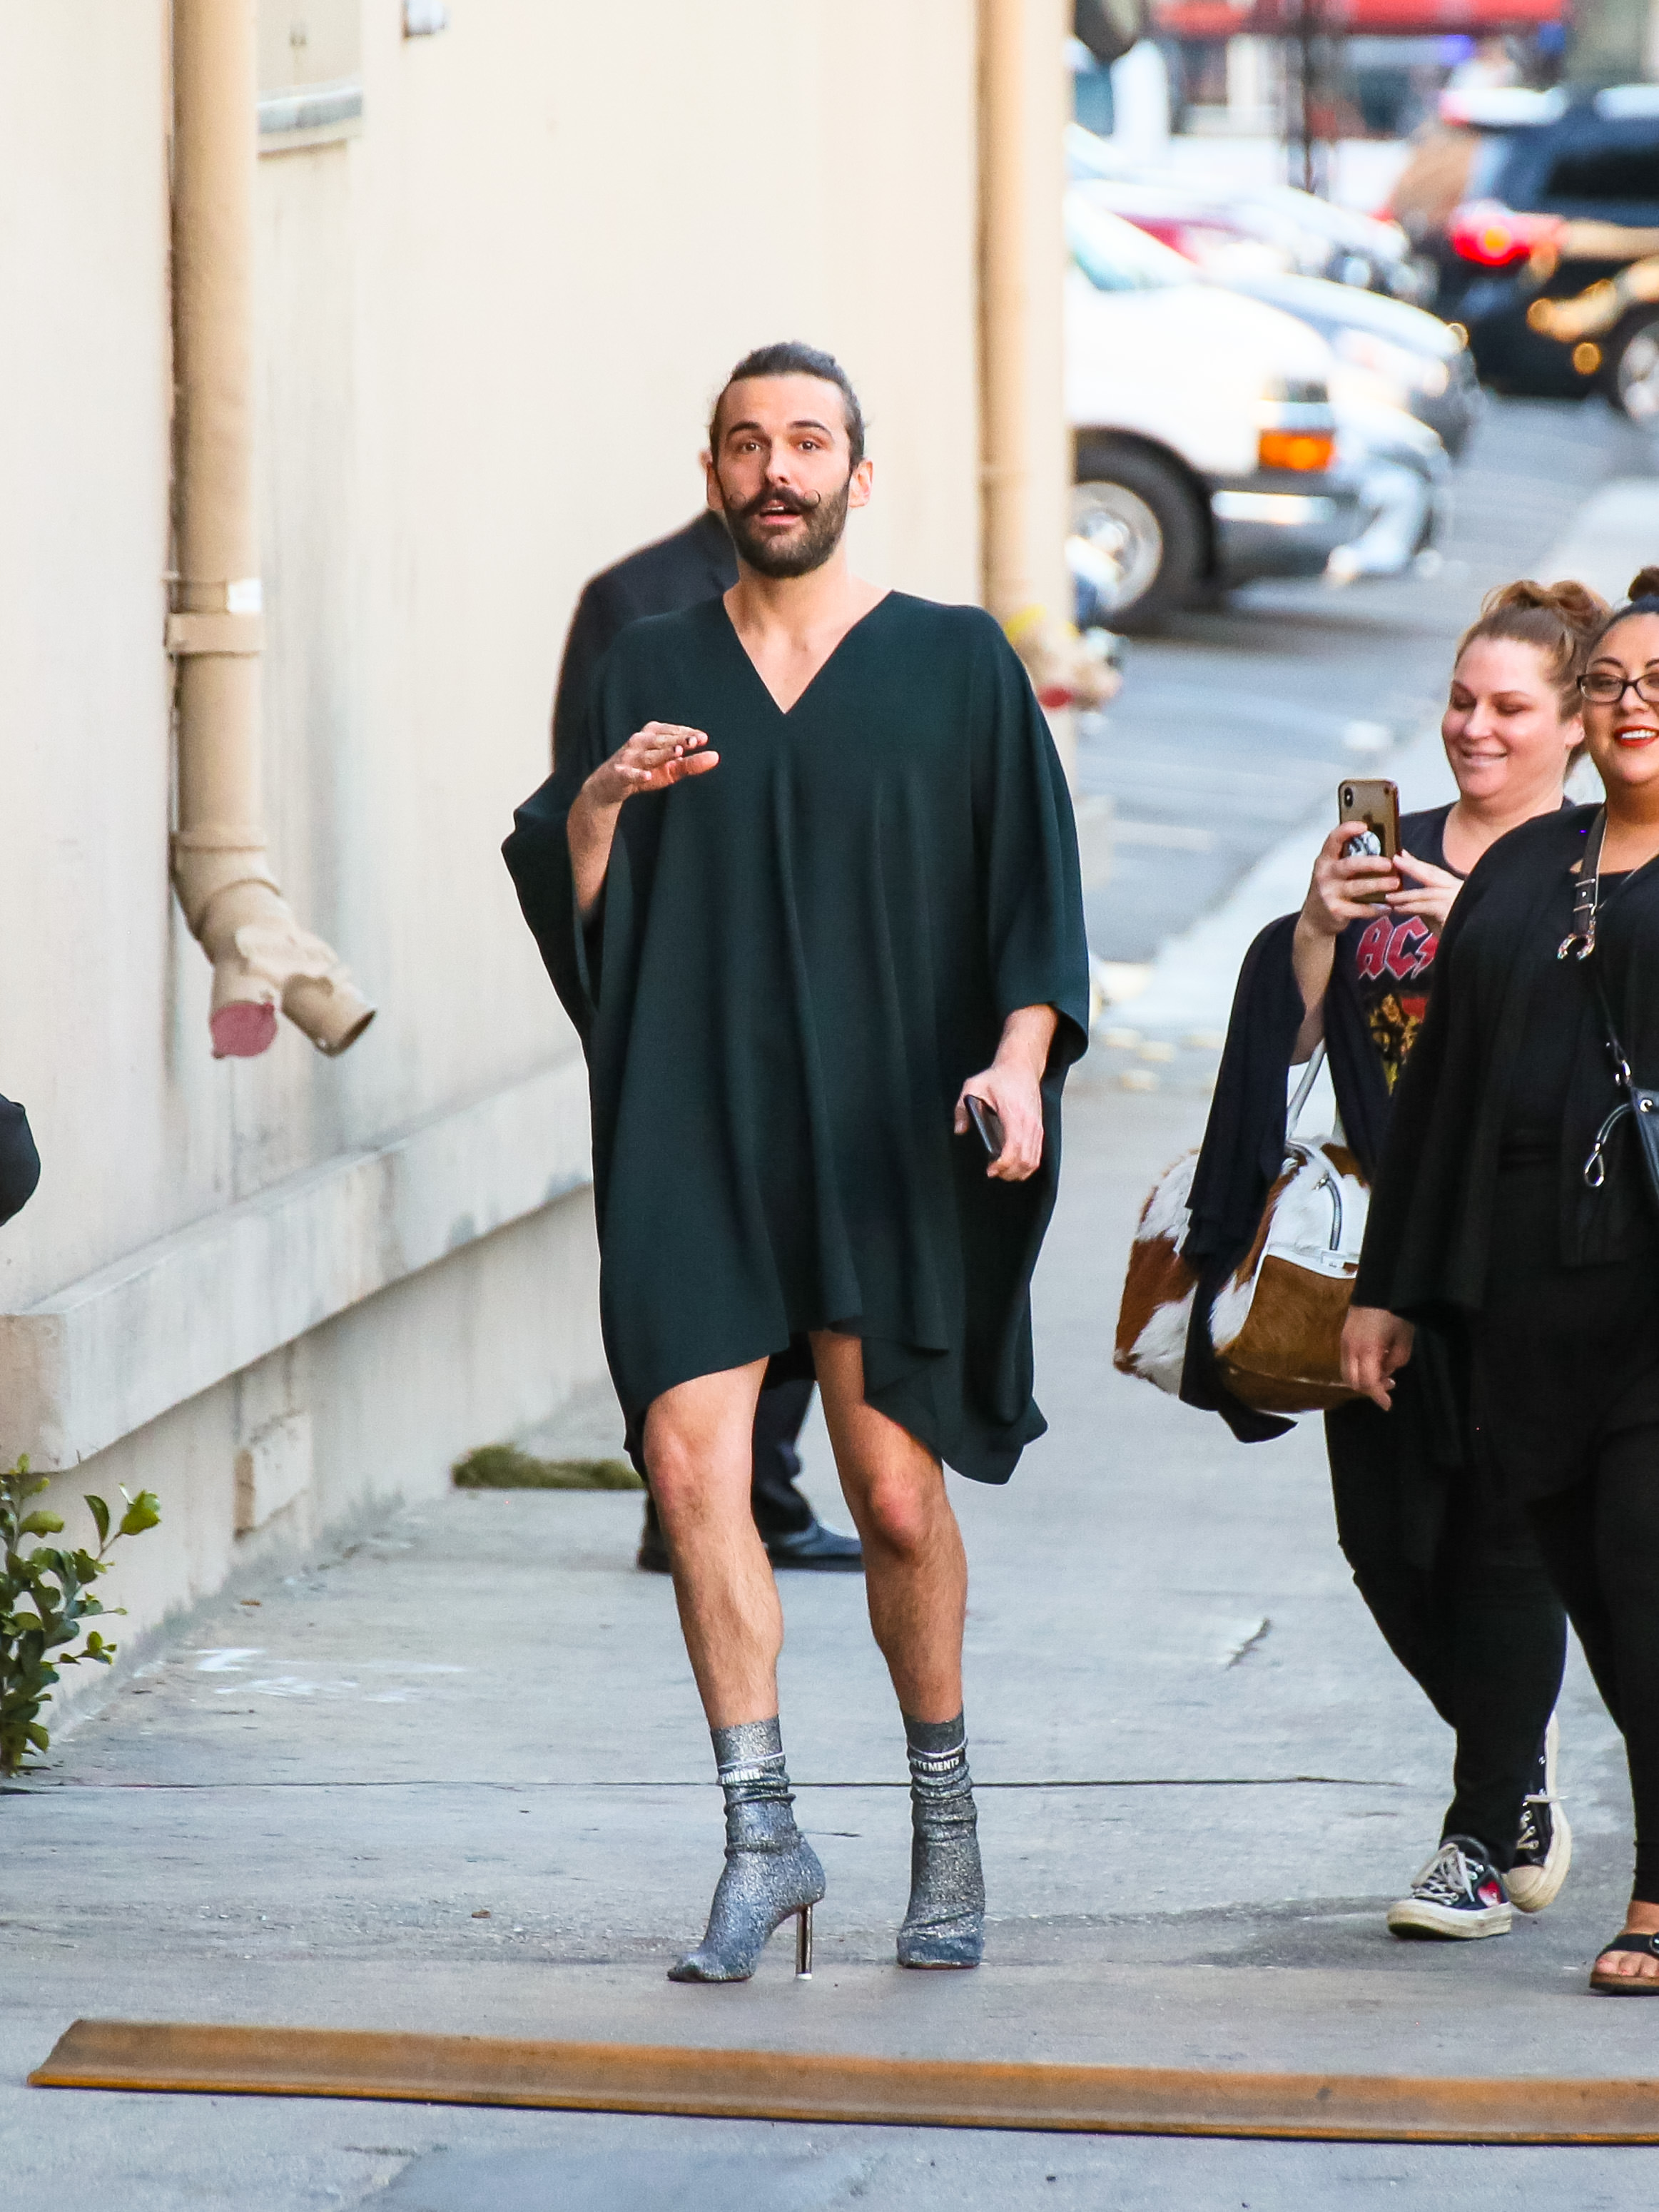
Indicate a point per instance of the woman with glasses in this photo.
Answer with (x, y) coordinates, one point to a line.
(1517, 1193)
(1448, 1569)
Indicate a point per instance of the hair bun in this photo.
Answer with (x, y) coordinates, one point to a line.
(1574, 604)
(1645, 585)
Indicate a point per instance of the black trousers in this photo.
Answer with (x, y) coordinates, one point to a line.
(1599, 1540)
(778, 1507)
(1462, 1596)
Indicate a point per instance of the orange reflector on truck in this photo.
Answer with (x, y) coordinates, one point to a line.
(1305, 450)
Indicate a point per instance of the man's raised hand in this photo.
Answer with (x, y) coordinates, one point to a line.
(662, 754)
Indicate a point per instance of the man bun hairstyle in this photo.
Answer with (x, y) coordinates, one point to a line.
(1563, 621)
(791, 357)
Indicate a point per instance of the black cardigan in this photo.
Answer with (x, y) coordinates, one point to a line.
(1428, 1230)
(1243, 1150)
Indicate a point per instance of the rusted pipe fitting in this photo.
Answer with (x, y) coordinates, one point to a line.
(262, 960)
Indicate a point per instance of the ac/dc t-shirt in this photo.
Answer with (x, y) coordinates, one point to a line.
(1392, 956)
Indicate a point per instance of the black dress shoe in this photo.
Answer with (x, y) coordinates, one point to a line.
(653, 1554)
(817, 1548)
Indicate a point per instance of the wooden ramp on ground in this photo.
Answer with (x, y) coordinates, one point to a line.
(204, 2059)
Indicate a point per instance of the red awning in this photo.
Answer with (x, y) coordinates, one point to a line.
(1219, 19)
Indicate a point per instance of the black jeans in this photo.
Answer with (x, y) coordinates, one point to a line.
(1476, 1624)
(1600, 1541)
(778, 1507)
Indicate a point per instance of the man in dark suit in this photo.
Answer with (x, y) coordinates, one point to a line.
(698, 563)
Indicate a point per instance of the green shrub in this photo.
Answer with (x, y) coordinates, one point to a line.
(504, 1466)
(43, 1601)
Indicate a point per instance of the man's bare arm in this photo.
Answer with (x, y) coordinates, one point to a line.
(662, 754)
(1012, 1086)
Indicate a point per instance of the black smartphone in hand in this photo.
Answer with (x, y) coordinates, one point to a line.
(989, 1123)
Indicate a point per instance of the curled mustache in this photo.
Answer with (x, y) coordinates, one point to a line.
(777, 495)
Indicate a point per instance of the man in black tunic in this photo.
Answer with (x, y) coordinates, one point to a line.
(807, 883)
(695, 564)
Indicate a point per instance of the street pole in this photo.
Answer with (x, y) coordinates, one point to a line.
(1307, 160)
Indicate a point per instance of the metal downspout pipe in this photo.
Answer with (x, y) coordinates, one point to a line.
(262, 960)
(1025, 443)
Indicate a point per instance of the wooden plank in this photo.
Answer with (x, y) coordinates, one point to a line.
(216, 2060)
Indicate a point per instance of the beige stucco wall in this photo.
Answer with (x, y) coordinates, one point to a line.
(490, 324)
(88, 1031)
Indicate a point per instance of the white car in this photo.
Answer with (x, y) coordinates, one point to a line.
(1206, 445)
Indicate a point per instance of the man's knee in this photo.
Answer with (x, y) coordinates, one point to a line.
(902, 1513)
(677, 1484)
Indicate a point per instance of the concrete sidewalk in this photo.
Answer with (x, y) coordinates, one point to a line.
(457, 1779)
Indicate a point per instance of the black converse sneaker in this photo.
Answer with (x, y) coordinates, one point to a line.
(1544, 1852)
(1459, 1893)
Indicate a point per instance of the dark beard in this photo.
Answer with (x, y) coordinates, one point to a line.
(824, 524)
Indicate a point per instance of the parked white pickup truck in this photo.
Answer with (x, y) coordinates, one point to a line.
(1206, 443)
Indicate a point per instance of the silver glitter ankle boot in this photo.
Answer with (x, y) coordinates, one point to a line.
(772, 1873)
(945, 1923)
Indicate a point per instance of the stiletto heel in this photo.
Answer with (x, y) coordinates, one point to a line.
(804, 1945)
(772, 1874)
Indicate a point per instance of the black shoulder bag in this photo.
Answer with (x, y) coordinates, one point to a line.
(1640, 1104)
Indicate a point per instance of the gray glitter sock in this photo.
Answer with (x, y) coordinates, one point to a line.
(749, 1759)
(945, 1923)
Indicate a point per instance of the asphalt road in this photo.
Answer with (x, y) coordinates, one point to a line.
(1233, 726)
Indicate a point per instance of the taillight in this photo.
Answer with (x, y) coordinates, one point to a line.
(1486, 232)
(1302, 450)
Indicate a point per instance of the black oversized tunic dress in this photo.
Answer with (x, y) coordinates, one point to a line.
(797, 959)
(1480, 1212)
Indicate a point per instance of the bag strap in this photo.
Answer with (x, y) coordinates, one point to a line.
(1581, 942)
(1587, 893)
(1293, 1111)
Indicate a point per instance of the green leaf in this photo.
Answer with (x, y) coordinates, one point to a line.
(142, 1512)
(37, 1735)
(40, 1524)
(99, 1513)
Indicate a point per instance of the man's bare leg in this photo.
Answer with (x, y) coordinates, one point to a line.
(915, 1571)
(698, 1449)
(916, 1575)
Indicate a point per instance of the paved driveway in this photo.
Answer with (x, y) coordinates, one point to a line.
(1204, 1780)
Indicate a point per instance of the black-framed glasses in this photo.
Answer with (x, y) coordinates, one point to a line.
(1605, 689)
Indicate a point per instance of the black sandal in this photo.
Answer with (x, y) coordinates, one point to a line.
(1627, 1985)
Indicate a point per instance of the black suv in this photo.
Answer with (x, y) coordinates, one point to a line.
(1595, 159)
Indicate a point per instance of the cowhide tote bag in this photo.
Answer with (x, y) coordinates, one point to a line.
(1277, 1321)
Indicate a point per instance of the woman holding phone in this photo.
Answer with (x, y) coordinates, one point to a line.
(1517, 1194)
(1448, 1568)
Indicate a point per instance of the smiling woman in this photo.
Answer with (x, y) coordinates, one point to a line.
(1517, 1193)
(1449, 1570)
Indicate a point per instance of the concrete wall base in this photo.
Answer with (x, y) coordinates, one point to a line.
(369, 1410)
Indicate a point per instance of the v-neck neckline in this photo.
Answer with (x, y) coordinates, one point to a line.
(817, 675)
